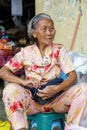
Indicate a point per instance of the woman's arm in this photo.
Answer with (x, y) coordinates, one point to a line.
(53, 89)
(70, 80)
(7, 75)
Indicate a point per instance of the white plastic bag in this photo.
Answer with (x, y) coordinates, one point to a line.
(74, 127)
(79, 61)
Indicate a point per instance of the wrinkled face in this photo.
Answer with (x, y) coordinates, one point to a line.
(45, 32)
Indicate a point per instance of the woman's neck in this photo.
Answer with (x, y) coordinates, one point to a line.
(42, 49)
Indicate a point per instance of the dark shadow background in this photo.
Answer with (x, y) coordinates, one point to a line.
(5, 12)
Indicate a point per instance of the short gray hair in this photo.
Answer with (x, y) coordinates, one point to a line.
(32, 25)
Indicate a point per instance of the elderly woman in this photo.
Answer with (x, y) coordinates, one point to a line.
(43, 89)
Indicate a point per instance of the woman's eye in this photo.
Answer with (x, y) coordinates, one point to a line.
(43, 29)
(52, 28)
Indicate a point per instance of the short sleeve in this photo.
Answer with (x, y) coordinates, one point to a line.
(64, 61)
(15, 63)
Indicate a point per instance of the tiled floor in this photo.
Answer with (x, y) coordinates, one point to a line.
(2, 111)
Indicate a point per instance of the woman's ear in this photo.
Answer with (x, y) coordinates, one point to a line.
(34, 35)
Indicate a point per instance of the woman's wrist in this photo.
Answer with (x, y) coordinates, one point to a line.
(24, 82)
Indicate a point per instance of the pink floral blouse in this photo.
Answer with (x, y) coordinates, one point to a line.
(55, 60)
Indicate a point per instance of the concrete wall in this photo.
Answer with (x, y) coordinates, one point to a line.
(70, 17)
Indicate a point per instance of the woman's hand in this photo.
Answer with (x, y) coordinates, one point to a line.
(32, 83)
(47, 92)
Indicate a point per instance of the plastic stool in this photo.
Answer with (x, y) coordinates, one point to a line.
(44, 120)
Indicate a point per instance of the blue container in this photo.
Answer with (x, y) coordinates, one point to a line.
(55, 123)
(46, 121)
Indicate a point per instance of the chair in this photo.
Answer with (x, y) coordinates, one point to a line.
(44, 120)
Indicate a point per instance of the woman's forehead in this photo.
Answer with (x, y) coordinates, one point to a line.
(45, 21)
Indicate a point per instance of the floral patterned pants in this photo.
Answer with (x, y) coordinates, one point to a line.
(18, 103)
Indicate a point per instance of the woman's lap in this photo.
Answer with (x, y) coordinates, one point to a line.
(72, 101)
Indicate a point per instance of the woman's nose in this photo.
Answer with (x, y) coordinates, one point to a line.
(48, 31)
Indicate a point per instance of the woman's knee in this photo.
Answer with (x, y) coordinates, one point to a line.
(11, 87)
(84, 87)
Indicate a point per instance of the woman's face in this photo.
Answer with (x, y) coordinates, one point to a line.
(45, 32)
